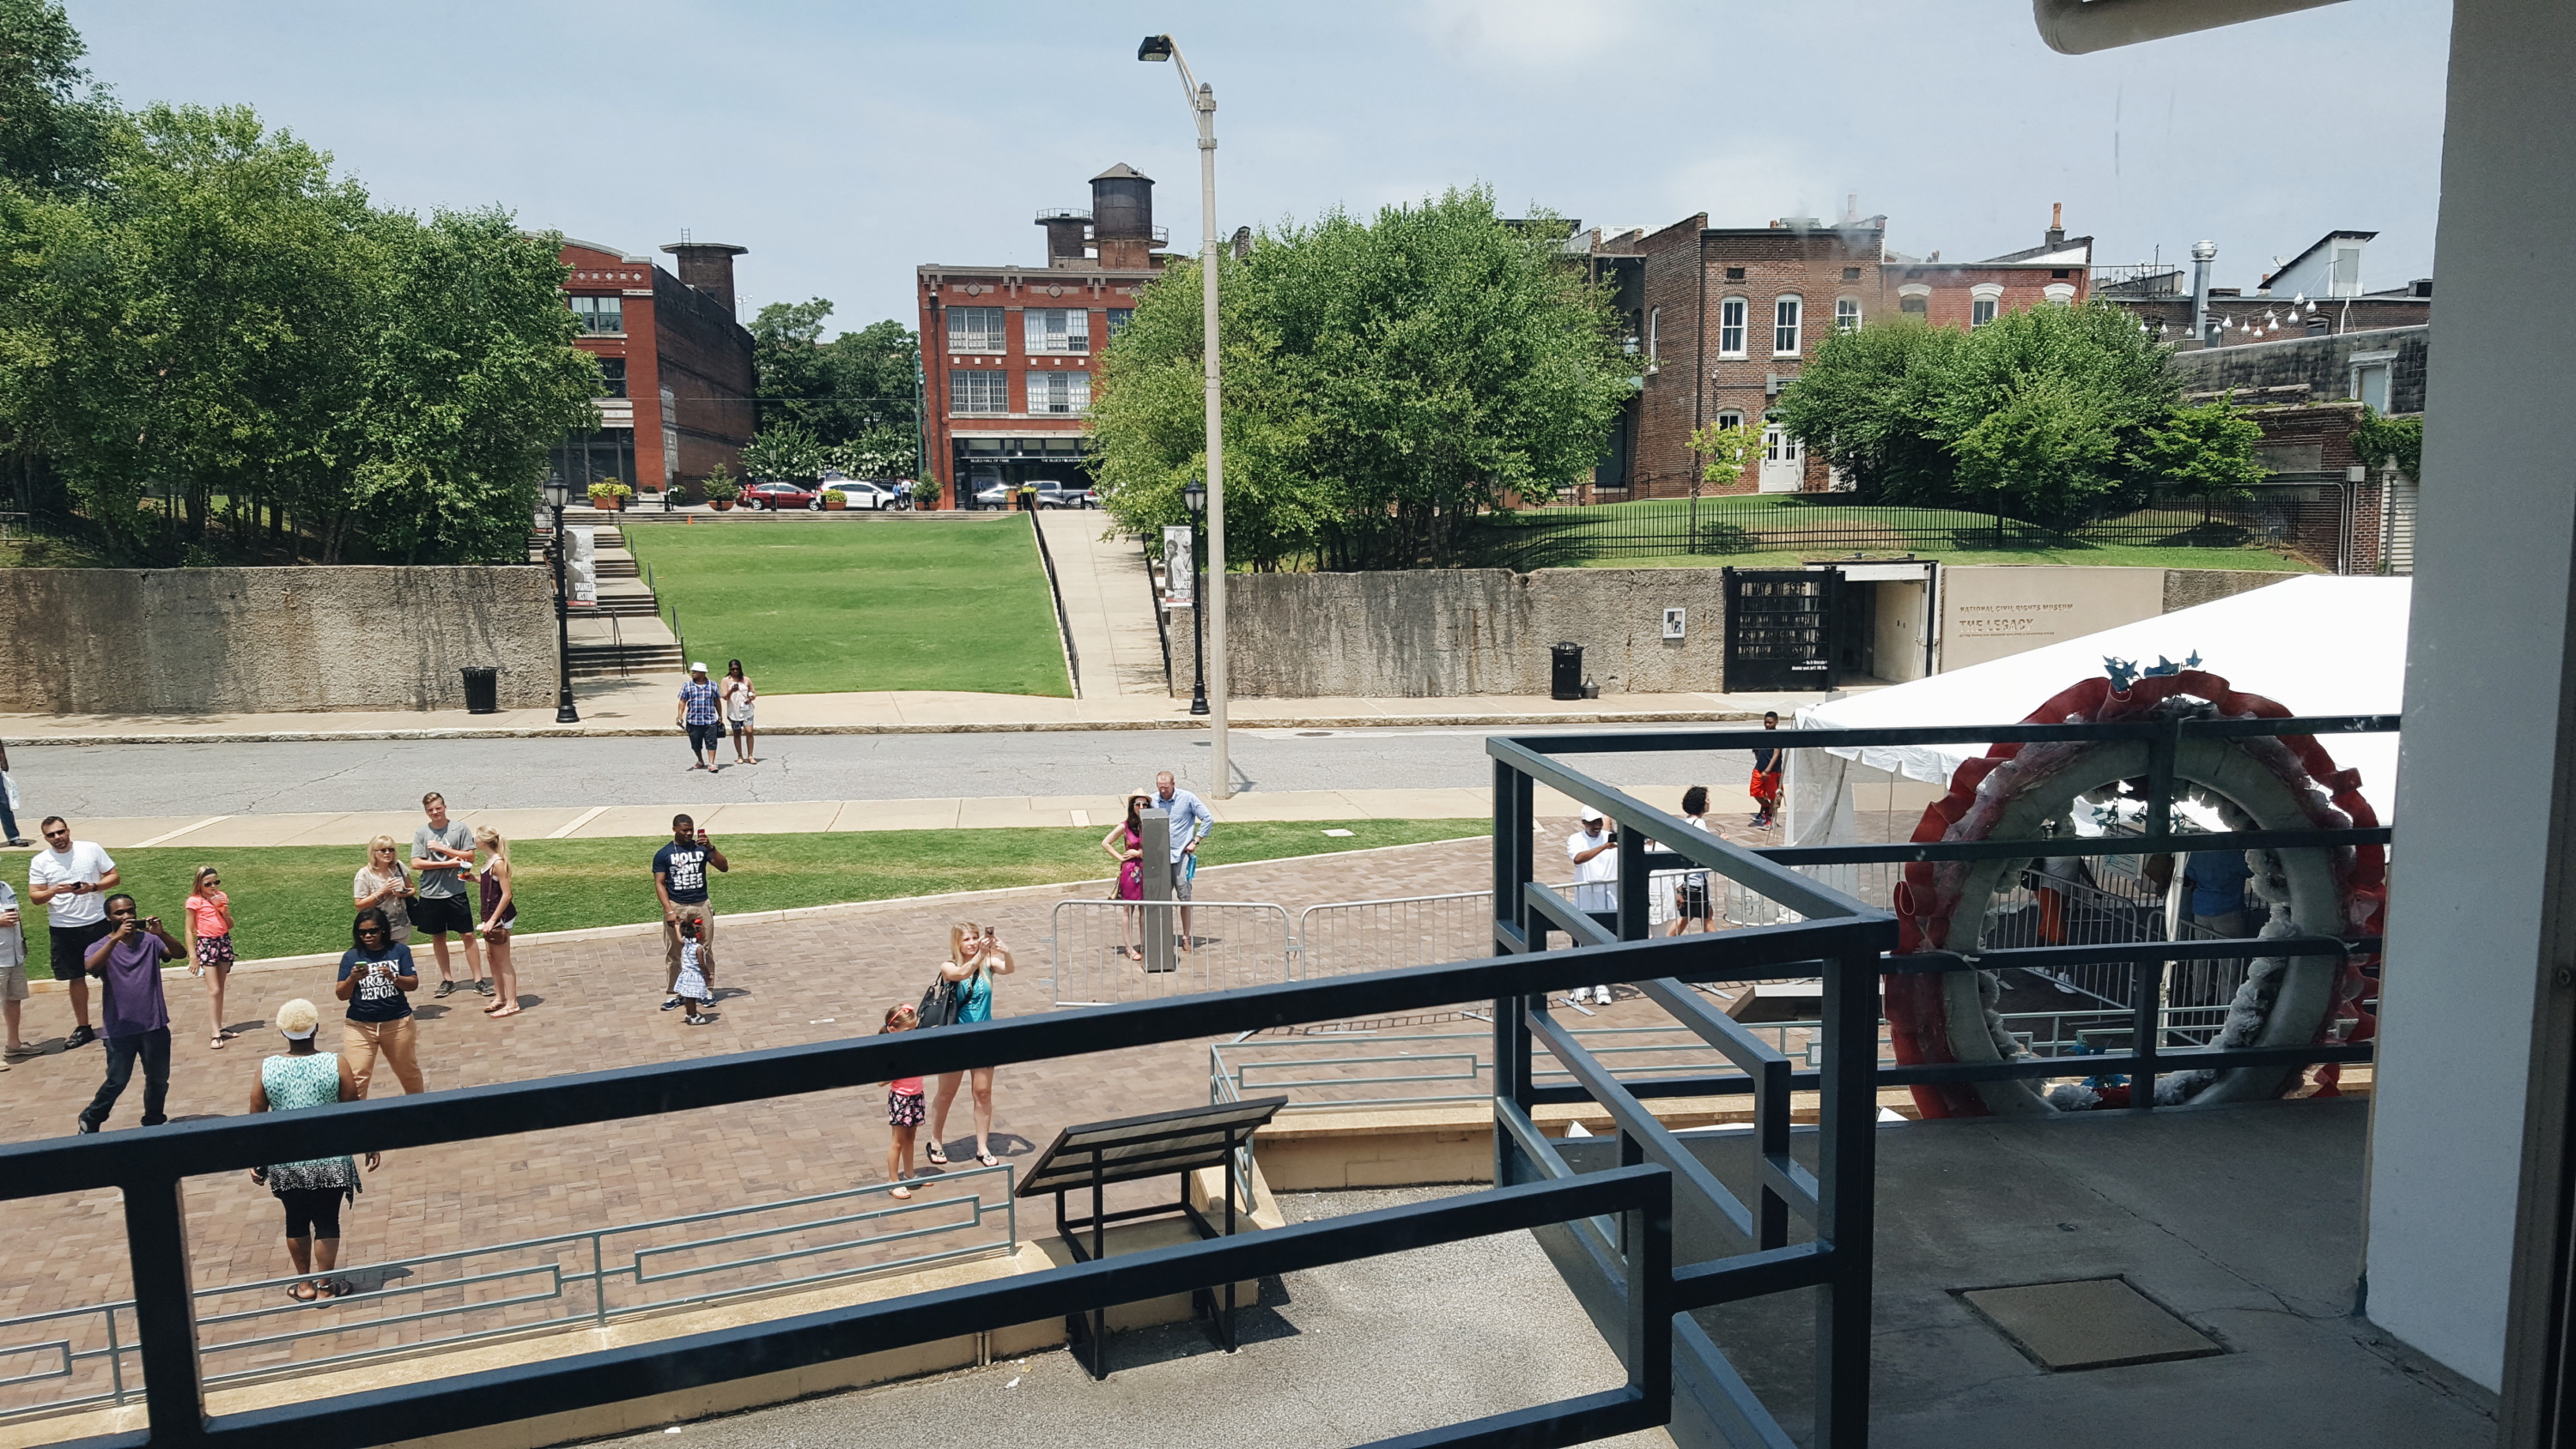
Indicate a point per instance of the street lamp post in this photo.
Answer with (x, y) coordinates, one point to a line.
(1195, 495)
(1203, 106)
(558, 493)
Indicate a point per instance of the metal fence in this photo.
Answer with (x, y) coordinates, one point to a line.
(2305, 516)
(1106, 952)
(250, 1331)
(1352, 936)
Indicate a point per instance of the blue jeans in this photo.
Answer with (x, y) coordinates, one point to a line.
(154, 1048)
(8, 818)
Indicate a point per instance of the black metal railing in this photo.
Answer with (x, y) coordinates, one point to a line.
(1834, 1200)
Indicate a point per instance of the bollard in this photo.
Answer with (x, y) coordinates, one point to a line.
(1160, 924)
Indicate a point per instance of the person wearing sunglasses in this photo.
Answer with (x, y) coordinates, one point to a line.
(210, 943)
(376, 979)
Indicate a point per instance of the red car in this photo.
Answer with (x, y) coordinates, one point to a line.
(775, 496)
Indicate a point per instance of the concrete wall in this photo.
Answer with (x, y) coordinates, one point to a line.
(142, 641)
(1990, 612)
(2321, 364)
(1439, 633)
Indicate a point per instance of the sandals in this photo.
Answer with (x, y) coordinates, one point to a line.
(988, 1159)
(901, 1191)
(938, 1155)
(215, 1045)
(304, 1291)
(331, 1288)
(511, 1010)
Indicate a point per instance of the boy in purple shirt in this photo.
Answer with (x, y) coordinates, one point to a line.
(133, 1017)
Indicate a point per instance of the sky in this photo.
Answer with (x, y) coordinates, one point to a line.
(847, 143)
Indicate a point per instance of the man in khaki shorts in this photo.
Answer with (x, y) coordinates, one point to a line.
(13, 970)
(680, 880)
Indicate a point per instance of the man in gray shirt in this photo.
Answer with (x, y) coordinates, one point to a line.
(442, 860)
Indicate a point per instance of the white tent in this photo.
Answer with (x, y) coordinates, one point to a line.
(2318, 645)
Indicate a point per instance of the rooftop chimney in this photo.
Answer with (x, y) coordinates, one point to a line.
(1122, 218)
(2202, 254)
(2056, 223)
(707, 266)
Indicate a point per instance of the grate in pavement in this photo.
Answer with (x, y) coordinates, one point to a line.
(2088, 1323)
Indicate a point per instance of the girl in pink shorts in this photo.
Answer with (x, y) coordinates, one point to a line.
(210, 941)
(903, 1105)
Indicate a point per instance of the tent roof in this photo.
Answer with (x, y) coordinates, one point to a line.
(2318, 645)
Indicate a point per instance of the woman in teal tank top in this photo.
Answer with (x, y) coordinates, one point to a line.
(975, 956)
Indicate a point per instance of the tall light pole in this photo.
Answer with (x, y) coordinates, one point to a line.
(1203, 105)
(559, 493)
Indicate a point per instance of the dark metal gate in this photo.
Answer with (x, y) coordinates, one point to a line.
(1780, 628)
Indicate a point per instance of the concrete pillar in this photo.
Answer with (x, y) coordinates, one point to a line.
(2480, 918)
(1161, 924)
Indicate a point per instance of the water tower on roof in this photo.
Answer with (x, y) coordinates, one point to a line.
(1122, 218)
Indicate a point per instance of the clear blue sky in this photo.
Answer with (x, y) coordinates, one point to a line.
(846, 143)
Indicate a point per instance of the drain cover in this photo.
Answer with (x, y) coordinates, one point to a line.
(2088, 1323)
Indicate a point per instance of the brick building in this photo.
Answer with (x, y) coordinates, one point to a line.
(1724, 317)
(2318, 292)
(679, 366)
(1006, 350)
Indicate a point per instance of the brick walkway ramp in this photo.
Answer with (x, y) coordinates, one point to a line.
(594, 1005)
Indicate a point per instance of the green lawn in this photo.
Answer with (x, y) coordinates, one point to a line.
(290, 900)
(823, 608)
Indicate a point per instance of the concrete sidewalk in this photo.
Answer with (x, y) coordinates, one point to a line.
(644, 705)
(807, 817)
(1109, 606)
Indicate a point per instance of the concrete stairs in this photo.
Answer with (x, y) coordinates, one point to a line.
(623, 634)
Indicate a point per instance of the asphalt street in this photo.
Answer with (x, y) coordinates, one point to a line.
(272, 777)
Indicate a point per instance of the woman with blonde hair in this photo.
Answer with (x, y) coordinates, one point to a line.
(311, 1192)
(384, 884)
(210, 944)
(500, 913)
(975, 956)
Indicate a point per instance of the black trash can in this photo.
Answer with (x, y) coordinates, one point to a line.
(482, 691)
(1565, 677)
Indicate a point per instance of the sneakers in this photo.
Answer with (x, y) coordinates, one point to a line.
(483, 987)
(82, 1035)
(86, 1126)
(671, 1003)
(445, 989)
(699, 1018)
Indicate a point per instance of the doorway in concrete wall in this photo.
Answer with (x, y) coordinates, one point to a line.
(1781, 628)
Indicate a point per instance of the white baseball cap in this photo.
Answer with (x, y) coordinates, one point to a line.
(1590, 814)
(697, 668)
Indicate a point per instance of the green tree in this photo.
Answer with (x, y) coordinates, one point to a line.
(54, 125)
(1869, 403)
(2381, 440)
(1387, 383)
(854, 386)
(784, 452)
(2210, 452)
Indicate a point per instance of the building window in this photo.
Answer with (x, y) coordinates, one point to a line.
(1847, 314)
(1056, 329)
(1851, 274)
(1735, 274)
(1981, 311)
(1059, 392)
(2062, 293)
(2370, 386)
(1914, 300)
(978, 392)
(1654, 331)
(612, 373)
(1119, 317)
(593, 457)
(600, 314)
(976, 329)
(1784, 326)
(1779, 445)
(1729, 418)
(1730, 327)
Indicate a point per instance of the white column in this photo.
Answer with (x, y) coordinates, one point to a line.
(2480, 920)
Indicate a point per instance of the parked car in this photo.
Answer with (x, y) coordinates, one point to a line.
(863, 492)
(775, 496)
(994, 495)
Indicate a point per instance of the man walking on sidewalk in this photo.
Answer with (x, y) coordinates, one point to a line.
(66, 878)
(1764, 787)
(699, 713)
(127, 961)
(442, 857)
(680, 879)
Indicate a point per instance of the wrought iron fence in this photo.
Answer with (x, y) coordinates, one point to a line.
(250, 1331)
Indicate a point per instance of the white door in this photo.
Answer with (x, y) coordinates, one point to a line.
(1784, 461)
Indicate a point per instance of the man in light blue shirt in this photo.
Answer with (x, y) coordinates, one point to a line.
(1191, 822)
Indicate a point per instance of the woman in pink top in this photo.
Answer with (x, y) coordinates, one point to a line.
(903, 1104)
(210, 944)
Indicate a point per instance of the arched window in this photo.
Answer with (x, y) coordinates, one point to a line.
(1730, 327)
(1847, 314)
(1729, 418)
(1984, 300)
(2062, 293)
(1785, 326)
(1914, 299)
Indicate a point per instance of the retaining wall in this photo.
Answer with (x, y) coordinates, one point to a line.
(146, 641)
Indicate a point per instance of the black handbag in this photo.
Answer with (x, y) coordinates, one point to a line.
(939, 1003)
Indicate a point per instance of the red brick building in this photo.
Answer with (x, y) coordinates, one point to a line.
(1725, 317)
(679, 366)
(1006, 350)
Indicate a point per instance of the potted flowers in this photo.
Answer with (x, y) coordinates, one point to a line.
(609, 496)
(835, 498)
(721, 489)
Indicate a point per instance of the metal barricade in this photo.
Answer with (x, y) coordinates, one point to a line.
(1102, 949)
(1347, 937)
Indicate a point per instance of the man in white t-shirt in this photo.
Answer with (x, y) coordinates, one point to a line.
(1594, 849)
(70, 879)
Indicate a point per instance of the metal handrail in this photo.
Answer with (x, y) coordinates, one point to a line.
(1055, 595)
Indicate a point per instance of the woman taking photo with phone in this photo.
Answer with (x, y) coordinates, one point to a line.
(377, 979)
(975, 957)
(210, 944)
(384, 884)
(500, 913)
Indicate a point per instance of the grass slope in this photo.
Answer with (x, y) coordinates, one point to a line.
(289, 900)
(824, 608)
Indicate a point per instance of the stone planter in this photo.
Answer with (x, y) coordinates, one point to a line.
(608, 502)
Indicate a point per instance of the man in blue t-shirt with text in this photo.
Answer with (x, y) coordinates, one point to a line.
(680, 879)
(134, 1017)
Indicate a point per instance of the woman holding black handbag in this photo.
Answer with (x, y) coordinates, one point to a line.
(975, 956)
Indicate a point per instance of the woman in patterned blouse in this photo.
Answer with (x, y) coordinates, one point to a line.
(311, 1192)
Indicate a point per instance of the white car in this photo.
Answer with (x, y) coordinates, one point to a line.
(860, 493)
